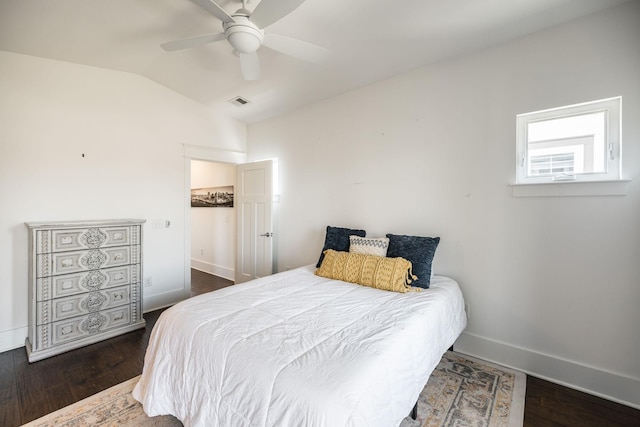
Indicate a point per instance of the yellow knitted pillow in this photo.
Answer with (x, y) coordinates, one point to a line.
(389, 274)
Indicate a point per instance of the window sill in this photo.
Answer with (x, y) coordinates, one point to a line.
(574, 188)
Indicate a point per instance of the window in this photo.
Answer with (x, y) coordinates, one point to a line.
(574, 143)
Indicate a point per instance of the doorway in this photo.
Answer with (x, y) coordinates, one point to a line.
(231, 159)
(214, 155)
(213, 218)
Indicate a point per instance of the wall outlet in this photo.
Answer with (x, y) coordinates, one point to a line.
(201, 251)
(147, 282)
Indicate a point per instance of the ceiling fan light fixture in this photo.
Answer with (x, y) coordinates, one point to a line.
(242, 34)
(244, 41)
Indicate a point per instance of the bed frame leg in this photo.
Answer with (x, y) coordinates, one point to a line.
(414, 412)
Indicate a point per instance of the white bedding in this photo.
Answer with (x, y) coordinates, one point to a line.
(295, 349)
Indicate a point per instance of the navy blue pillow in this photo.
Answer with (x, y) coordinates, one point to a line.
(338, 239)
(418, 250)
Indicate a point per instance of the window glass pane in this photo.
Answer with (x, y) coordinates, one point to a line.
(552, 164)
(567, 145)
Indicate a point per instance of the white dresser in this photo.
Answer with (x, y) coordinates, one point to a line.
(84, 283)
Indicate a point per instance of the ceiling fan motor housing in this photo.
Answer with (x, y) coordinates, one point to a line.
(243, 34)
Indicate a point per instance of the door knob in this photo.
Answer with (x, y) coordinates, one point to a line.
(267, 235)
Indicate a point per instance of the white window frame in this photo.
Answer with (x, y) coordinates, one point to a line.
(611, 107)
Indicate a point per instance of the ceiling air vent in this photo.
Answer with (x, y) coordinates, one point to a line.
(239, 101)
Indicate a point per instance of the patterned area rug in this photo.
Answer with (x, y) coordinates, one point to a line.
(462, 391)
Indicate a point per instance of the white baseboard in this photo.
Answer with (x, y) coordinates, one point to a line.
(216, 270)
(608, 385)
(13, 338)
(154, 302)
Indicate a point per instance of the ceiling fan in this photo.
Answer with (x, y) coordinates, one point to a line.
(243, 30)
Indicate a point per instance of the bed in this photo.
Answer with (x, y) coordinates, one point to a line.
(296, 349)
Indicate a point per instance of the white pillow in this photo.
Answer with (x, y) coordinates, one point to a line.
(369, 245)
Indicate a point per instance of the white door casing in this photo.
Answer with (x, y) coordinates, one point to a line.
(253, 201)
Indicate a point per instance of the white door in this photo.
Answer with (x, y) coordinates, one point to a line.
(253, 199)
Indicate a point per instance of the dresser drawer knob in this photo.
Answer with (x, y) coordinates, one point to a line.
(119, 276)
(67, 307)
(117, 236)
(66, 240)
(117, 257)
(118, 296)
(66, 330)
(67, 284)
(67, 262)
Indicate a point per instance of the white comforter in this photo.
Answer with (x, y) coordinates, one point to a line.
(295, 349)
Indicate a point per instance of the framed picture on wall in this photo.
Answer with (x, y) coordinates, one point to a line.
(212, 197)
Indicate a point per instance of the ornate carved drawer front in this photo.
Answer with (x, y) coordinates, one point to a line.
(77, 305)
(88, 238)
(84, 283)
(71, 284)
(52, 334)
(93, 259)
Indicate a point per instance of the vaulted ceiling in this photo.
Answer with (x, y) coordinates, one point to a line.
(368, 40)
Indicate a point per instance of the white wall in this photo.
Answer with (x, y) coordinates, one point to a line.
(552, 283)
(213, 230)
(131, 132)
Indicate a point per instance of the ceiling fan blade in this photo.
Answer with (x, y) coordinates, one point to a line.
(192, 42)
(269, 11)
(296, 48)
(213, 8)
(250, 66)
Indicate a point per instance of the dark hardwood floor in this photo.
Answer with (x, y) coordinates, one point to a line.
(202, 282)
(549, 404)
(31, 390)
